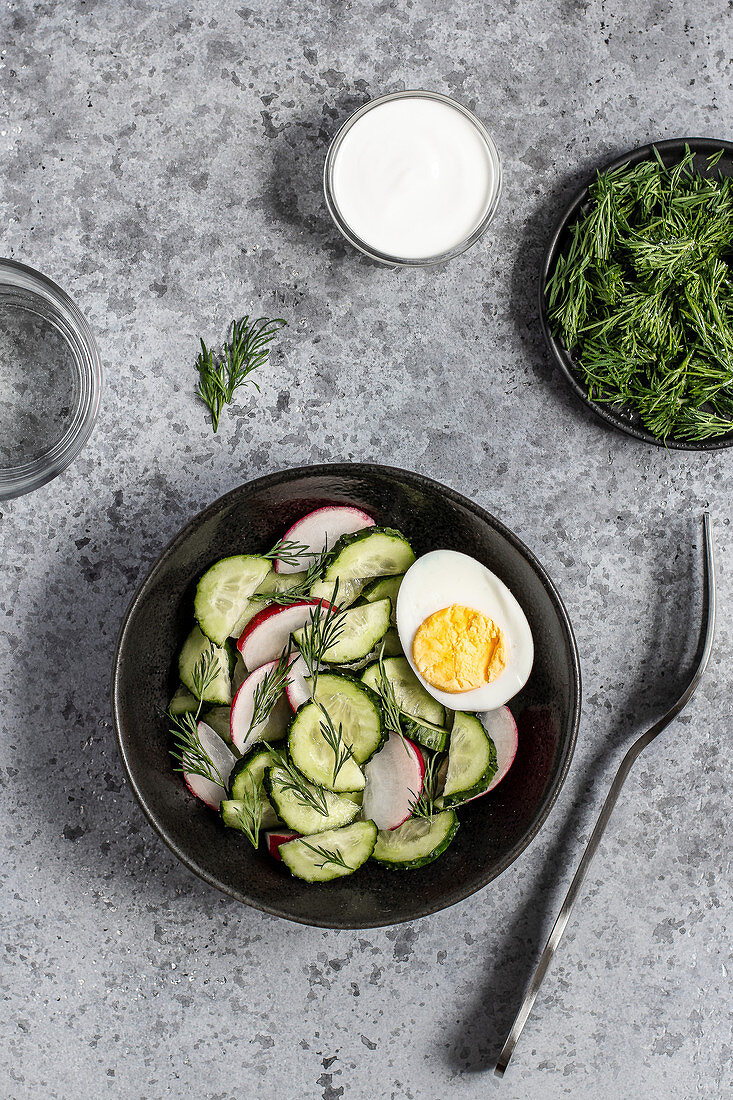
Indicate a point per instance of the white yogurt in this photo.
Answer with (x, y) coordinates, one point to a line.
(414, 177)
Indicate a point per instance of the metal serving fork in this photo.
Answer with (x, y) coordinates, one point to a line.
(626, 764)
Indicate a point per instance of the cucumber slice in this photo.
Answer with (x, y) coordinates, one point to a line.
(354, 844)
(250, 770)
(273, 585)
(234, 814)
(411, 696)
(298, 814)
(416, 843)
(249, 773)
(218, 719)
(346, 594)
(356, 708)
(428, 734)
(196, 644)
(183, 702)
(373, 552)
(314, 757)
(224, 590)
(471, 760)
(361, 628)
(384, 588)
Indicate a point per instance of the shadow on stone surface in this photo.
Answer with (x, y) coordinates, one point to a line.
(95, 829)
(295, 194)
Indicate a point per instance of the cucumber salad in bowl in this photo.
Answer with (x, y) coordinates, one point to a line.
(340, 698)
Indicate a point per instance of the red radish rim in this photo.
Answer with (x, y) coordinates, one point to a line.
(268, 612)
(200, 797)
(327, 508)
(275, 838)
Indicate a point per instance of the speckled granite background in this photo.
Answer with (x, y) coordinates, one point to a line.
(162, 162)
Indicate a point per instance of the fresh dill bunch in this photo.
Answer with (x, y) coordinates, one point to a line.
(222, 372)
(642, 296)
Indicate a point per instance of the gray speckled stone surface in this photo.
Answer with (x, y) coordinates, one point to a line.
(162, 162)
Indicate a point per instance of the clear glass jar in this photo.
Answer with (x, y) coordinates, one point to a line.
(50, 380)
(399, 261)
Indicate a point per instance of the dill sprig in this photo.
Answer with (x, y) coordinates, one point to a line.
(222, 372)
(248, 811)
(300, 590)
(328, 855)
(269, 690)
(643, 296)
(187, 751)
(391, 711)
(308, 794)
(323, 630)
(288, 552)
(425, 804)
(334, 738)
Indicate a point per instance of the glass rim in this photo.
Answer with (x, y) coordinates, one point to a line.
(25, 477)
(384, 257)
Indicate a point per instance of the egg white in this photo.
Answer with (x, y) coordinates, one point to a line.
(445, 577)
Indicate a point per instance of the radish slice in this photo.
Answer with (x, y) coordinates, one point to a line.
(223, 760)
(394, 780)
(502, 729)
(274, 838)
(265, 638)
(274, 726)
(321, 529)
(298, 689)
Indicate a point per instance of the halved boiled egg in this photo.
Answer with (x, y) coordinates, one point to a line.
(463, 632)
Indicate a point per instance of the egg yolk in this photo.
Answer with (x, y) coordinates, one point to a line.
(458, 649)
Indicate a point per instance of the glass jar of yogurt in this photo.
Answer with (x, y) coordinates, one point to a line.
(412, 178)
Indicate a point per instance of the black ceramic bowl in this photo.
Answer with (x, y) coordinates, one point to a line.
(493, 830)
(622, 418)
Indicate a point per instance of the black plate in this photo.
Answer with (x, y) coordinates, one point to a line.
(493, 831)
(670, 151)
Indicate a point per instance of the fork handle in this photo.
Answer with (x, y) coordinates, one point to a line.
(567, 907)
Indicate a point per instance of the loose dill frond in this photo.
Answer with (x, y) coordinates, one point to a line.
(188, 752)
(224, 371)
(642, 296)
